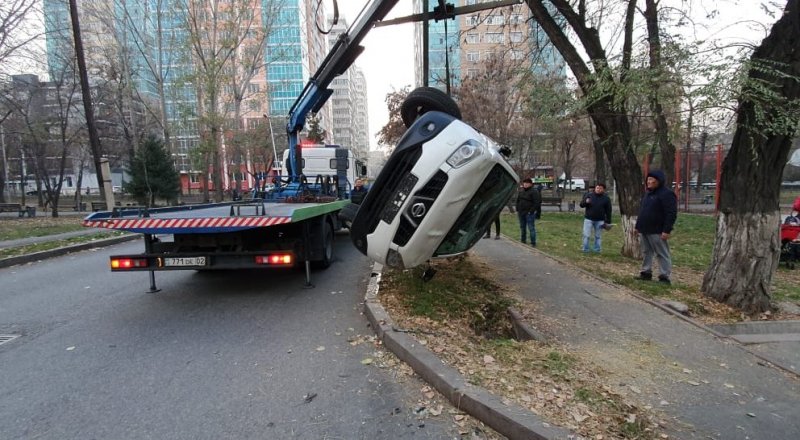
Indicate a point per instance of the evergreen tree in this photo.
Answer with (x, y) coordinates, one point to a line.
(153, 173)
(315, 132)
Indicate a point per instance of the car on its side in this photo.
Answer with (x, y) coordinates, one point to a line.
(437, 193)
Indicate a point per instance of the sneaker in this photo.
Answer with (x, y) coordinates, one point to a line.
(663, 279)
(497, 237)
(647, 276)
(487, 236)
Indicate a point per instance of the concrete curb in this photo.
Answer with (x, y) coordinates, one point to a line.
(510, 420)
(766, 358)
(57, 252)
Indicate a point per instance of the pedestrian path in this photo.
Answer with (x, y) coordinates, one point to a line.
(707, 387)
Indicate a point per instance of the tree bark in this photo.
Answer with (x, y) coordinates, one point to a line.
(666, 147)
(746, 251)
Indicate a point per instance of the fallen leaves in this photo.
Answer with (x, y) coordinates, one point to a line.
(563, 392)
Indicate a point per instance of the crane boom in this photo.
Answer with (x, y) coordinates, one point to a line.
(341, 56)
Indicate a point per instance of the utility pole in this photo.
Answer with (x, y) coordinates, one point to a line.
(94, 139)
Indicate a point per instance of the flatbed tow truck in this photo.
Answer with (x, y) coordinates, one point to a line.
(290, 226)
(294, 224)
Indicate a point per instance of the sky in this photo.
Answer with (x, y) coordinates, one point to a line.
(387, 60)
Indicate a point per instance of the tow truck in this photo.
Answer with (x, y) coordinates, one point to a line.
(295, 223)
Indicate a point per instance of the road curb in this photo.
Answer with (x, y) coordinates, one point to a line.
(510, 420)
(57, 252)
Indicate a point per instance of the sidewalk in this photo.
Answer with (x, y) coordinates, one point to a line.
(710, 387)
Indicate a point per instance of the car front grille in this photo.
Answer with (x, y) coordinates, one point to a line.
(426, 195)
(387, 190)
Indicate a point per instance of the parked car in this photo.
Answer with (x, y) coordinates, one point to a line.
(574, 185)
(439, 190)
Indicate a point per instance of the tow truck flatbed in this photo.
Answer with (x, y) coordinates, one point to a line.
(209, 218)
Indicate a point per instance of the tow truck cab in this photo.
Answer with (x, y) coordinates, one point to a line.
(329, 160)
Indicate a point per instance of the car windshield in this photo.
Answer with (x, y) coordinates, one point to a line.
(487, 202)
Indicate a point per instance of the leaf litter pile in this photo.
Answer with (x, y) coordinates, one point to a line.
(461, 315)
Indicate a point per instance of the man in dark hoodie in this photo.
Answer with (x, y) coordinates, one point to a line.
(597, 216)
(656, 218)
(529, 203)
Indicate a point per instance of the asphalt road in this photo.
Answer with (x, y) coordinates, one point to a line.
(211, 356)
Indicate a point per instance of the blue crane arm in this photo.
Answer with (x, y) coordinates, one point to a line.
(341, 56)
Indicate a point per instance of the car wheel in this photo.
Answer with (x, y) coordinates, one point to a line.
(424, 99)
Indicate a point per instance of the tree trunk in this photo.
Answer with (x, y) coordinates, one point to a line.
(743, 260)
(614, 133)
(666, 147)
(747, 248)
(599, 163)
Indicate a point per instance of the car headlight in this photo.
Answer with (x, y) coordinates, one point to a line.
(465, 153)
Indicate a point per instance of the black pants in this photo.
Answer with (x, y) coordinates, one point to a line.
(496, 228)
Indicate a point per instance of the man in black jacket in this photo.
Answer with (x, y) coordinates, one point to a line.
(597, 215)
(529, 203)
(657, 216)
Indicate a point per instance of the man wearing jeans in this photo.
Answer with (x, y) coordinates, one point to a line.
(657, 216)
(597, 216)
(529, 203)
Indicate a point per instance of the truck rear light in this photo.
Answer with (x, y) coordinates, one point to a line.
(275, 259)
(128, 263)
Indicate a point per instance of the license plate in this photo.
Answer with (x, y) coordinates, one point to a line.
(184, 261)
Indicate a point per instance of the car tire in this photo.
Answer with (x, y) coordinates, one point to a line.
(424, 99)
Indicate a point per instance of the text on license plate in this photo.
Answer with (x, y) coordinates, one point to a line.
(184, 261)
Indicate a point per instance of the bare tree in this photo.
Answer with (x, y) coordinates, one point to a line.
(15, 36)
(657, 75)
(390, 133)
(227, 51)
(746, 250)
(49, 122)
(15, 42)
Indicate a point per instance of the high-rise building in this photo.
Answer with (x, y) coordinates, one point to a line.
(349, 104)
(458, 47)
(161, 50)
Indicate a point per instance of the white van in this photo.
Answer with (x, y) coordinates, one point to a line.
(329, 160)
(574, 185)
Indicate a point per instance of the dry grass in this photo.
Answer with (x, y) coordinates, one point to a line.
(12, 228)
(565, 387)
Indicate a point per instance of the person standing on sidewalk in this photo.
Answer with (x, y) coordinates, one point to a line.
(597, 215)
(657, 216)
(529, 203)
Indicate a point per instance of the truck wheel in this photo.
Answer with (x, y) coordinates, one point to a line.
(327, 247)
(424, 99)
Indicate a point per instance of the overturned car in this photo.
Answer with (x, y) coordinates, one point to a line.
(439, 190)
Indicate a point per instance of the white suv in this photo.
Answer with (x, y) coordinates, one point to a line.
(440, 189)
